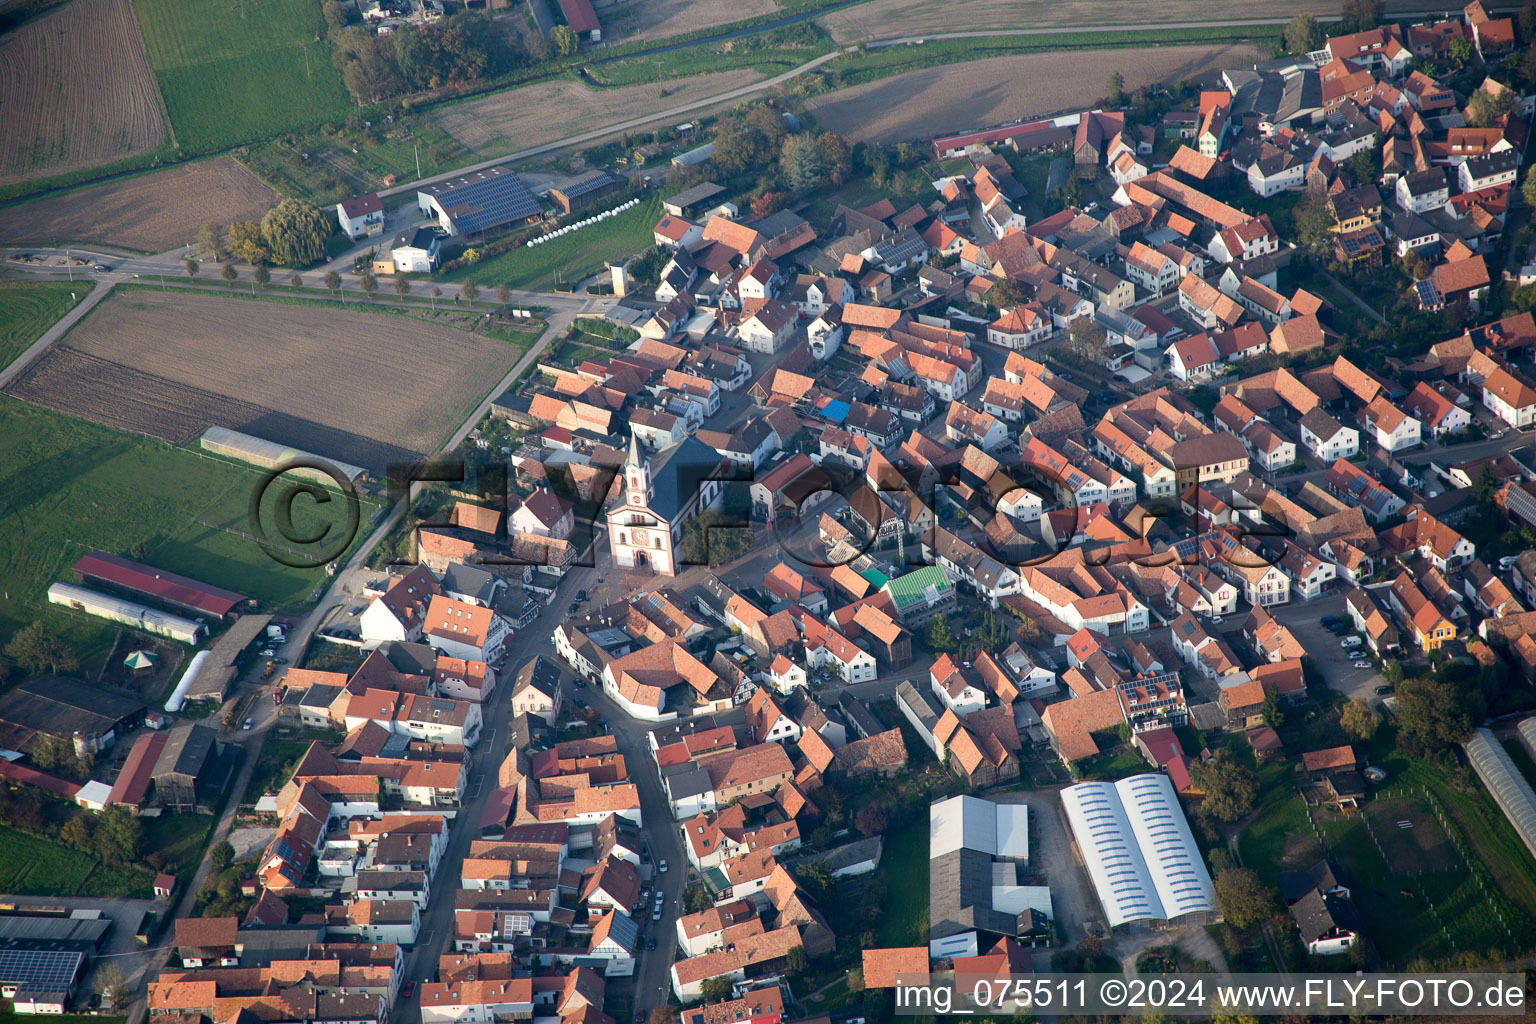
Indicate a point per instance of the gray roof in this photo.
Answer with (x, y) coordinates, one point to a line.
(415, 238)
(1317, 914)
(538, 673)
(488, 199)
(677, 473)
(186, 751)
(699, 193)
(685, 780)
(469, 579)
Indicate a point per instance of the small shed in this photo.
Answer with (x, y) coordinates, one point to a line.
(164, 885)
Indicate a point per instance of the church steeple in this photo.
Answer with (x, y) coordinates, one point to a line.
(637, 474)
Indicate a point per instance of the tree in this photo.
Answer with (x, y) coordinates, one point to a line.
(79, 832)
(1359, 720)
(1361, 15)
(716, 990)
(663, 1015)
(1244, 900)
(368, 65)
(229, 273)
(120, 835)
(1314, 224)
(503, 294)
(767, 128)
(261, 275)
(645, 269)
(470, 291)
(112, 987)
(245, 242)
(221, 854)
(332, 281)
(1528, 190)
(713, 539)
(535, 47)
(564, 41)
(1005, 294)
(836, 157)
(1229, 787)
(336, 14)
(190, 265)
(295, 231)
(800, 161)
(872, 819)
(401, 284)
(1461, 50)
(297, 280)
(1528, 63)
(369, 283)
(1116, 88)
(796, 962)
(37, 648)
(1090, 948)
(939, 636)
(768, 202)
(1431, 714)
(210, 239)
(1274, 717)
(877, 161)
(1085, 338)
(1303, 35)
(695, 899)
(471, 257)
(1485, 108)
(734, 146)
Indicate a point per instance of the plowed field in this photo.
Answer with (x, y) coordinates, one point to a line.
(366, 388)
(78, 92)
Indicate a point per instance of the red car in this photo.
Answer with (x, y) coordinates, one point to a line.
(408, 989)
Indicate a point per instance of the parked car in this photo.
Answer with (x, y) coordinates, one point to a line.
(1351, 641)
(408, 989)
(102, 268)
(248, 723)
(650, 944)
(662, 867)
(1217, 620)
(1332, 620)
(1383, 689)
(1362, 664)
(1507, 563)
(656, 914)
(280, 661)
(269, 653)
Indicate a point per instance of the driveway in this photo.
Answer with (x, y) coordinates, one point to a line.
(1052, 853)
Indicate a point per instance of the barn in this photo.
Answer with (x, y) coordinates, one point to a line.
(582, 18)
(68, 709)
(180, 592)
(586, 190)
(258, 451)
(483, 201)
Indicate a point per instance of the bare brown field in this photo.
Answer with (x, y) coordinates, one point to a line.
(78, 91)
(150, 212)
(658, 19)
(957, 97)
(888, 19)
(366, 388)
(518, 119)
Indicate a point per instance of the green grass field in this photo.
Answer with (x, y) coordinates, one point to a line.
(234, 71)
(36, 867)
(573, 257)
(28, 308)
(904, 870)
(68, 487)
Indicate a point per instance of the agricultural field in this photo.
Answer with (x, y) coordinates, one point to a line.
(661, 19)
(890, 19)
(571, 257)
(79, 92)
(952, 97)
(532, 115)
(236, 71)
(149, 212)
(345, 383)
(33, 866)
(68, 487)
(28, 308)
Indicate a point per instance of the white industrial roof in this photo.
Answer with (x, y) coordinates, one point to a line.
(1510, 790)
(1140, 853)
(970, 823)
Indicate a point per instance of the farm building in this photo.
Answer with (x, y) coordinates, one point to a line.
(417, 251)
(132, 785)
(580, 16)
(259, 451)
(975, 850)
(361, 216)
(683, 203)
(1509, 789)
(586, 190)
(40, 975)
(150, 620)
(483, 201)
(68, 709)
(1140, 854)
(185, 768)
(180, 592)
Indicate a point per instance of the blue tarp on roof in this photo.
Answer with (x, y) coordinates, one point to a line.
(836, 411)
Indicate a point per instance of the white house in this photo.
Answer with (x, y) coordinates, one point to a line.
(1327, 438)
(361, 216)
(1392, 429)
(399, 612)
(462, 630)
(786, 675)
(417, 251)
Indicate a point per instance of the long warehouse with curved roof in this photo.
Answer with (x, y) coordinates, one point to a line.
(1140, 853)
(1510, 790)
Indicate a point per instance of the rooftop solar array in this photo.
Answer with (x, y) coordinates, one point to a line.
(487, 200)
(39, 970)
(590, 183)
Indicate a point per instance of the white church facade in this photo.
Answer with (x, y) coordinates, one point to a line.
(661, 493)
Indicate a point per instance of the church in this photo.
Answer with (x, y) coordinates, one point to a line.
(661, 493)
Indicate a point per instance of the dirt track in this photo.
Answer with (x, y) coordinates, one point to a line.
(957, 97)
(535, 114)
(151, 212)
(366, 388)
(658, 19)
(78, 92)
(888, 19)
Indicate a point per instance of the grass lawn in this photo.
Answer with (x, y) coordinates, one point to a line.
(68, 487)
(27, 309)
(10, 1016)
(275, 765)
(904, 870)
(1113, 767)
(181, 838)
(33, 866)
(333, 171)
(237, 72)
(573, 257)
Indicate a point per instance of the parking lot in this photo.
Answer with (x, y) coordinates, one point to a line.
(1304, 620)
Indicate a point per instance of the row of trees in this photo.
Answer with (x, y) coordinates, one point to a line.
(292, 233)
(457, 50)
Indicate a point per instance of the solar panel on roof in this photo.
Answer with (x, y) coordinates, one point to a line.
(485, 203)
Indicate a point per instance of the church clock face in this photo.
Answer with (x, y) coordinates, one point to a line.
(637, 498)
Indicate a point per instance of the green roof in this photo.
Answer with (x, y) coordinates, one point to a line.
(910, 589)
(876, 578)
